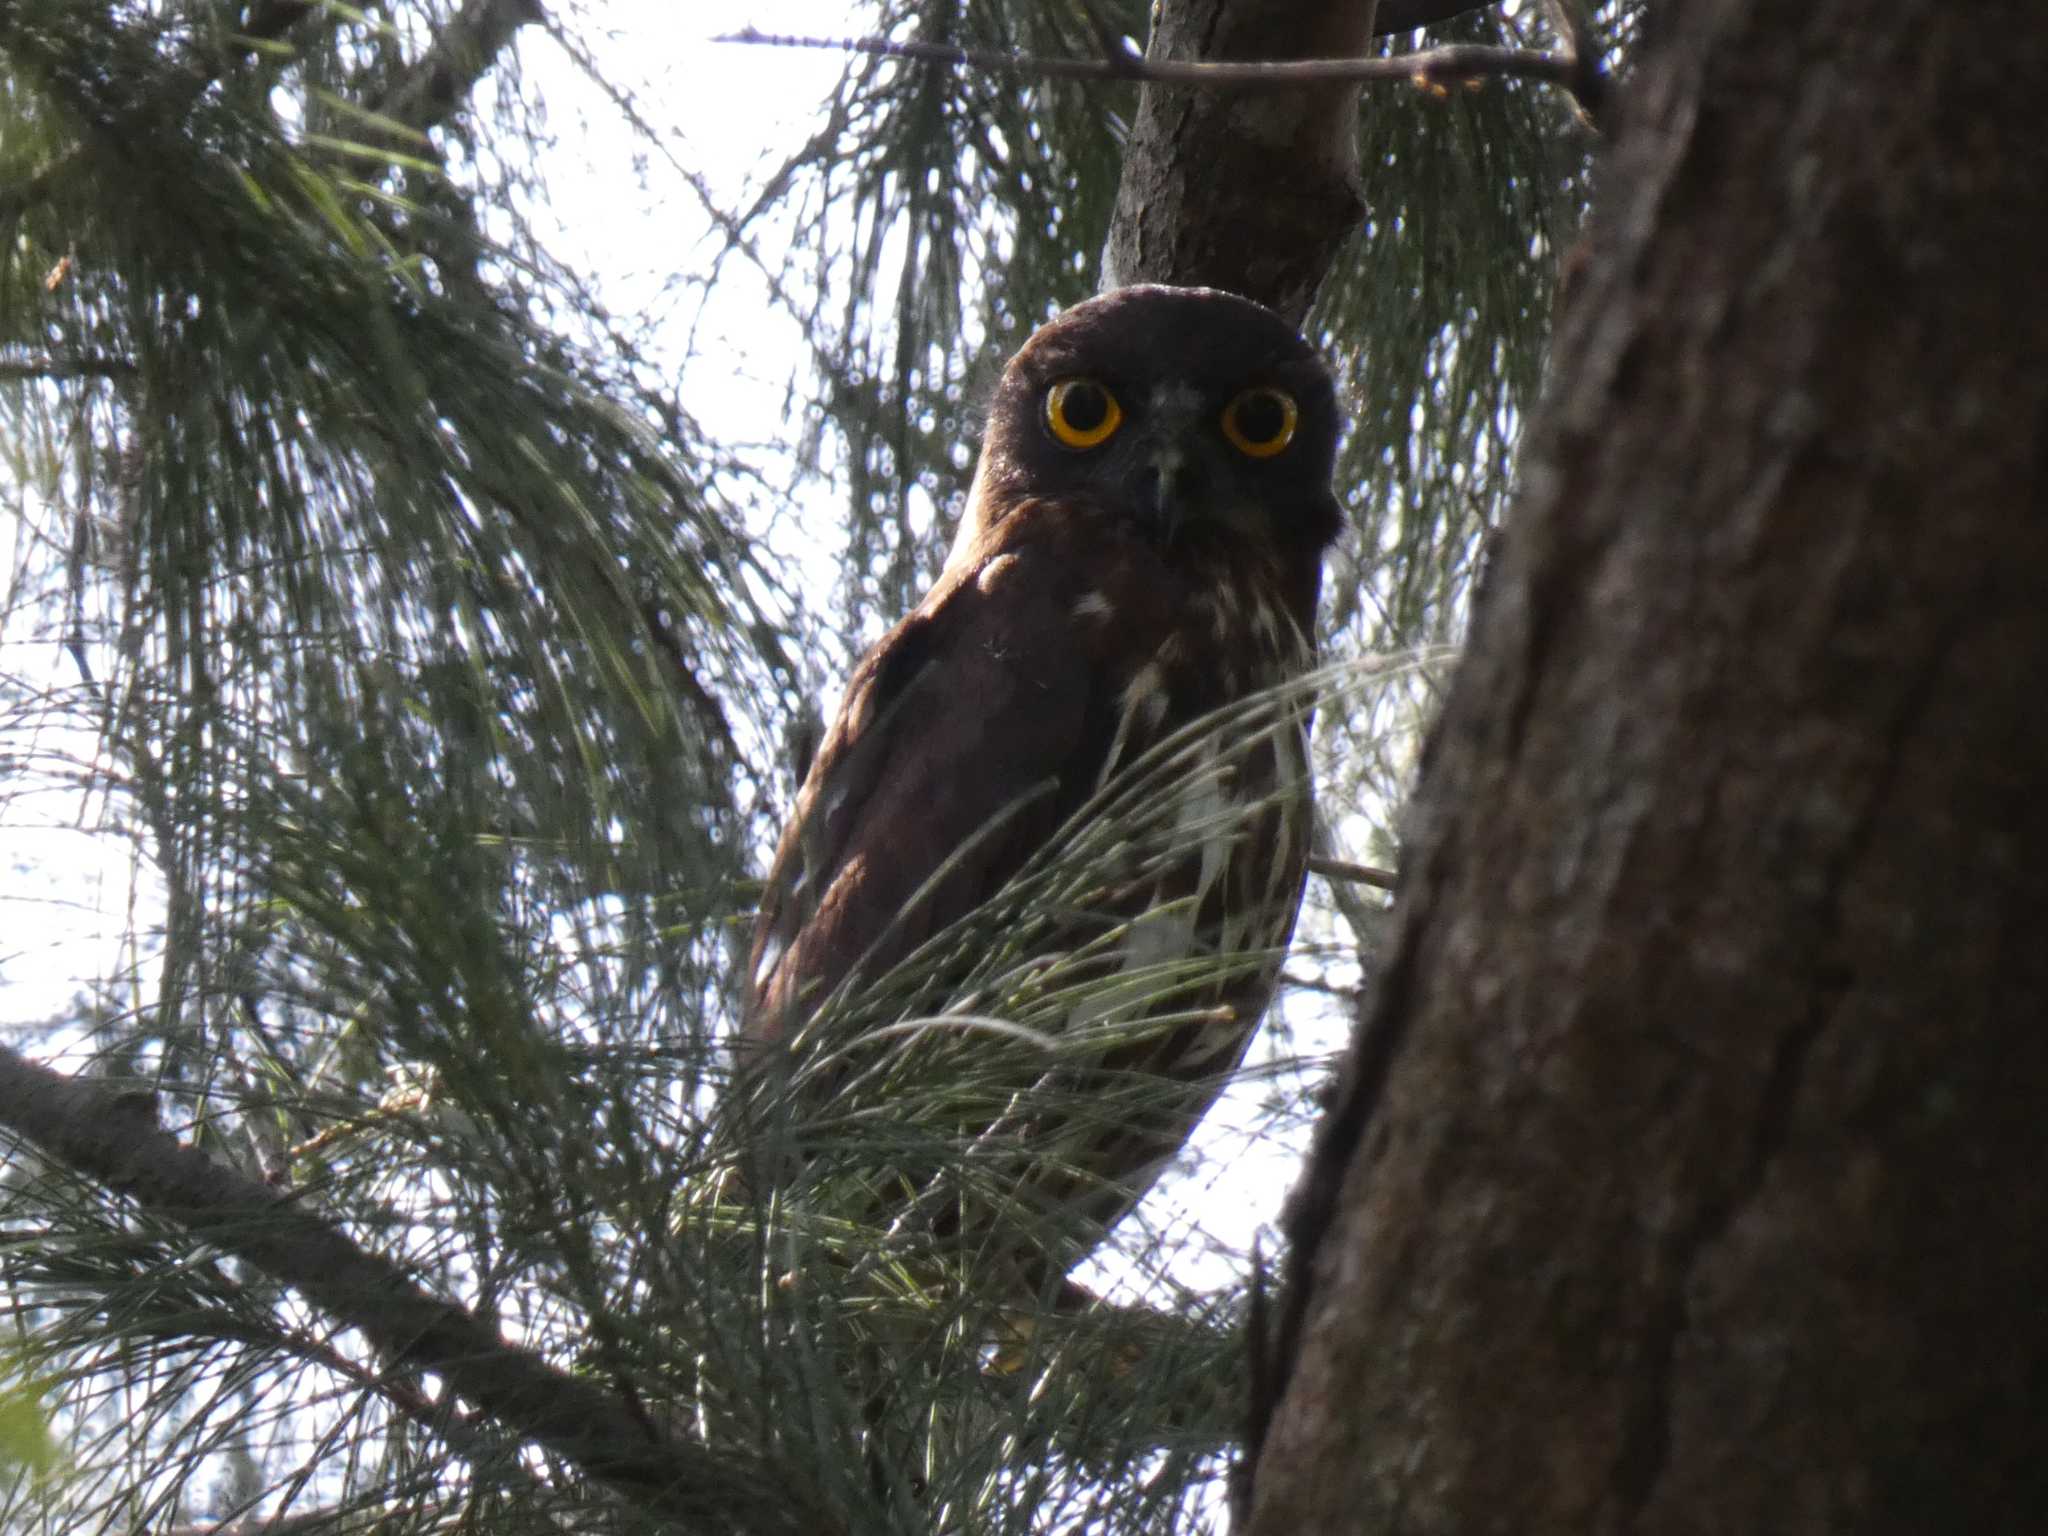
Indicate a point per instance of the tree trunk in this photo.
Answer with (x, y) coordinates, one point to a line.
(1687, 1174)
(1206, 169)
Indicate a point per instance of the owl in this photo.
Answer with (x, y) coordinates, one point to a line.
(1133, 584)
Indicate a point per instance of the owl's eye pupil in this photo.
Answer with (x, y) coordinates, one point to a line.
(1081, 412)
(1260, 418)
(1260, 422)
(1087, 407)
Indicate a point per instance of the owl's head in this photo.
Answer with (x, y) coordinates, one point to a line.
(1200, 416)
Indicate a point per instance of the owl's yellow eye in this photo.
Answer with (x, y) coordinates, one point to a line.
(1260, 422)
(1081, 412)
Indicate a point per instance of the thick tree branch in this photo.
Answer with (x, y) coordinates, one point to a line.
(1349, 873)
(462, 54)
(113, 1138)
(1204, 167)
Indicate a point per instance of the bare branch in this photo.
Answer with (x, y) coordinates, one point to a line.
(113, 1137)
(1436, 67)
(1349, 873)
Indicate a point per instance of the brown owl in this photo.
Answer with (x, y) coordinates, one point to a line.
(1141, 551)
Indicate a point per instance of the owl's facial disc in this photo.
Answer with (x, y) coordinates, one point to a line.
(1201, 420)
(1160, 450)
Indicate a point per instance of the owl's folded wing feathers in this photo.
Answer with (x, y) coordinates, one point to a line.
(969, 733)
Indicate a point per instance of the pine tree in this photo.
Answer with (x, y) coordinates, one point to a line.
(375, 586)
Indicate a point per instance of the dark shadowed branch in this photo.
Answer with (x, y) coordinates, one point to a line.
(1413, 15)
(113, 1137)
(462, 54)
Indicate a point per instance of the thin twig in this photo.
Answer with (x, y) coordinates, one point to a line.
(1349, 873)
(1448, 65)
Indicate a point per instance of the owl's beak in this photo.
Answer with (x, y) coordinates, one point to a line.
(1156, 490)
(1169, 489)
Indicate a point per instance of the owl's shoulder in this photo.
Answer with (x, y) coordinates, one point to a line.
(1065, 558)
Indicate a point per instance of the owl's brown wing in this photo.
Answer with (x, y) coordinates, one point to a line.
(967, 735)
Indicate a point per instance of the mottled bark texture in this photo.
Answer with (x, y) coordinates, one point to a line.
(1247, 190)
(1688, 1174)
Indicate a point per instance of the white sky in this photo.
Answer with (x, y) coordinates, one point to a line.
(734, 112)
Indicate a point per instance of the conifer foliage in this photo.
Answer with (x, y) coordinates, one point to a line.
(376, 597)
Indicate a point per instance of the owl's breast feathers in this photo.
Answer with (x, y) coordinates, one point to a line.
(1055, 650)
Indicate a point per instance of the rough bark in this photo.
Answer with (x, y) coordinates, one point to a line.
(1687, 1173)
(1205, 166)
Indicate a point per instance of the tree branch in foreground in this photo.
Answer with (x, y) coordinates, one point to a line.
(1454, 64)
(113, 1138)
(1350, 873)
